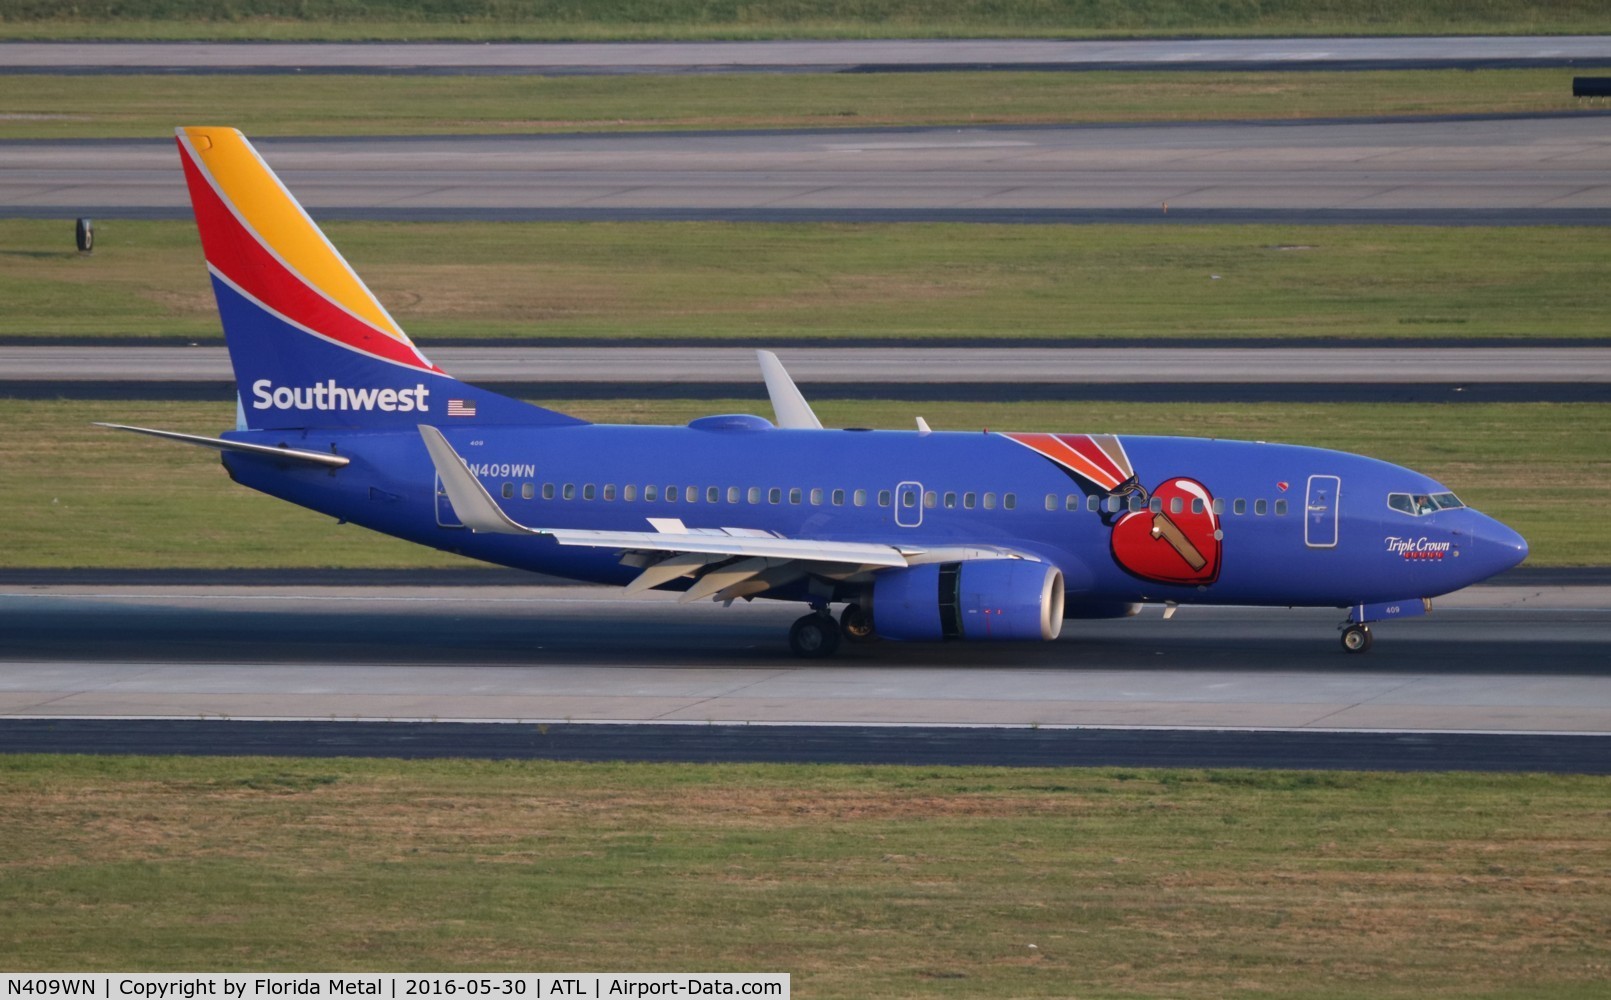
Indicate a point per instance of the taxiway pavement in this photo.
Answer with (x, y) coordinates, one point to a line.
(885, 366)
(895, 55)
(1506, 170)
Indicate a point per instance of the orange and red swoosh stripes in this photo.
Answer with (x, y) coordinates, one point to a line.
(242, 259)
(1077, 453)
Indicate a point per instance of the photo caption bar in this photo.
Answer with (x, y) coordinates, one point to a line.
(392, 986)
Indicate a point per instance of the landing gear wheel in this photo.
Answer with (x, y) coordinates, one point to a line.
(1356, 638)
(815, 636)
(856, 624)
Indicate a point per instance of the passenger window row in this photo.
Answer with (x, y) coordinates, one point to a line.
(816, 496)
(1177, 505)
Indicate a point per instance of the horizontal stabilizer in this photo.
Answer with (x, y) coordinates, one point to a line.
(274, 451)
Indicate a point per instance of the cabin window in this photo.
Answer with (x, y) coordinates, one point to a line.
(569, 491)
(734, 494)
(1260, 507)
(713, 494)
(1177, 505)
(1156, 505)
(1072, 502)
(1241, 506)
(671, 494)
(587, 492)
(1280, 508)
(816, 496)
(930, 499)
(629, 493)
(609, 492)
(528, 491)
(1051, 501)
(969, 500)
(1010, 501)
(754, 494)
(651, 493)
(774, 495)
(989, 501)
(950, 500)
(1136, 503)
(1197, 505)
(908, 498)
(508, 491)
(838, 498)
(690, 494)
(548, 491)
(1219, 505)
(1113, 504)
(883, 498)
(795, 496)
(859, 498)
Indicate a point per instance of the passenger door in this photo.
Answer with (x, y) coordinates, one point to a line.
(1320, 512)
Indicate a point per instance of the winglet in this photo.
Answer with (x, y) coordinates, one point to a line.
(788, 405)
(471, 501)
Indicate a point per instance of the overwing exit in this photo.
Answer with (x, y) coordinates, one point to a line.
(915, 535)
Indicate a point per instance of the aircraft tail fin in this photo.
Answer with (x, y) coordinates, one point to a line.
(310, 343)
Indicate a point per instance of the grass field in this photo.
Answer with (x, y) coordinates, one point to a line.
(755, 281)
(688, 19)
(77, 495)
(859, 881)
(48, 107)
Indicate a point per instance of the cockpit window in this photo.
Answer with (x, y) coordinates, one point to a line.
(1417, 504)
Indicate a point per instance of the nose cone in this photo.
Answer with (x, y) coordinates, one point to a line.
(1493, 548)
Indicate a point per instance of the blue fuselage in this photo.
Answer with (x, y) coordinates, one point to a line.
(1247, 523)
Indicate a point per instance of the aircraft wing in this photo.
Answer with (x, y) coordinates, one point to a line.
(728, 562)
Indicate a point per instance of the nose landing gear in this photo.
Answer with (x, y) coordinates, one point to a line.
(1356, 638)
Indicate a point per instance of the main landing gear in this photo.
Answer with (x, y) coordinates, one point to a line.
(815, 636)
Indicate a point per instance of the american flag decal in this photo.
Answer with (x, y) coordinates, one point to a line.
(461, 408)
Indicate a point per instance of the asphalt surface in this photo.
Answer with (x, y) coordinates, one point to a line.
(802, 56)
(1514, 676)
(1466, 373)
(1531, 657)
(885, 366)
(1521, 170)
(917, 745)
(1230, 393)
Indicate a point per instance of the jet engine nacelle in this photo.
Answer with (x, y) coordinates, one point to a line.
(982, 600)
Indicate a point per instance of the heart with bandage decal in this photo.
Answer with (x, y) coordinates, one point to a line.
(1171, 546)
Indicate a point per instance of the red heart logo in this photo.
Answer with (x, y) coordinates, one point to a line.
(1179, 544)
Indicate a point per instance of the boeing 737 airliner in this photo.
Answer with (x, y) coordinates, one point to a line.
(920, 535)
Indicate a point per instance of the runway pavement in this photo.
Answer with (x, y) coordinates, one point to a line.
(1522, 170)
(1527, 658)
(1508, 677)
(801, 56)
